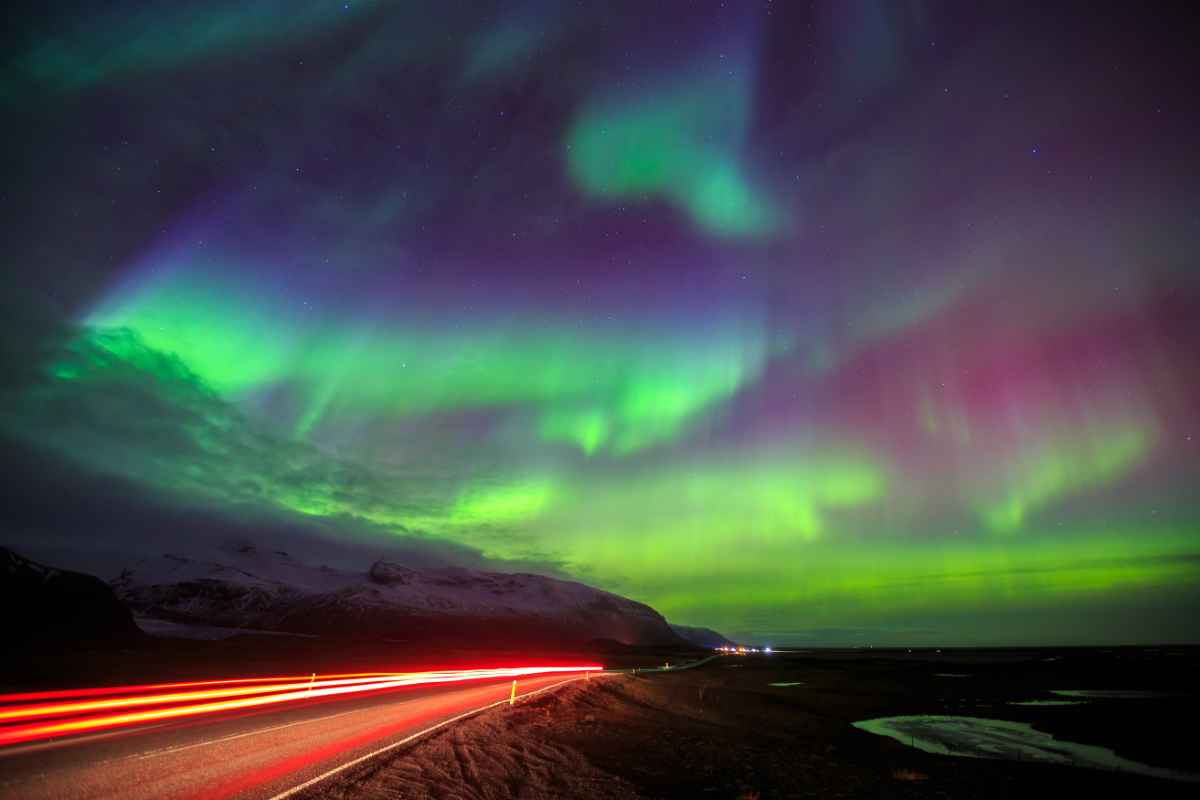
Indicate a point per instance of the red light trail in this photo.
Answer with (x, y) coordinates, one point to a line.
(22, 720)
(107, 690)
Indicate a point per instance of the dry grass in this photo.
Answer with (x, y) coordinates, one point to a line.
(500, 754)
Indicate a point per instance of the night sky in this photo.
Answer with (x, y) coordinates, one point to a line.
(847, 322)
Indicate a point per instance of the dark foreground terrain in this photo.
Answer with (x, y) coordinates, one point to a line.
(723, 731)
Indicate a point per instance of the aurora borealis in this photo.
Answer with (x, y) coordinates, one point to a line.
(852, 322)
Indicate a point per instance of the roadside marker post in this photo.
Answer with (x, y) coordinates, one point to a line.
(310, 682)
(512, 697)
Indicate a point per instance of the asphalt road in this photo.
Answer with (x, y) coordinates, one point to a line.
(255, 755)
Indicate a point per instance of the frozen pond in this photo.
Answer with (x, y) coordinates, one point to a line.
(995, 738)
(791, 683)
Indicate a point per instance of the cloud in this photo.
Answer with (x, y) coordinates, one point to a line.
(103, 417)
(64, 514)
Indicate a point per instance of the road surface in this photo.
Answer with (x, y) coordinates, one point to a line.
(265, 754)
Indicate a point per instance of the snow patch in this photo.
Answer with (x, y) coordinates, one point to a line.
(975, 737)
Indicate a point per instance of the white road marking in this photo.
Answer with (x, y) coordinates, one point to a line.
(409, 738)
(165, 750)
(176, 749)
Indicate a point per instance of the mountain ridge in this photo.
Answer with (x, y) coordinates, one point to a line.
(702, 637)
(273, 591)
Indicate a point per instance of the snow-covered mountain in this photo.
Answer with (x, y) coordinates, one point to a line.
(271, 590)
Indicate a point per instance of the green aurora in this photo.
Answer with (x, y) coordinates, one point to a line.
(593, 388)
(679, 143)
(834, 323)
(786, 528)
